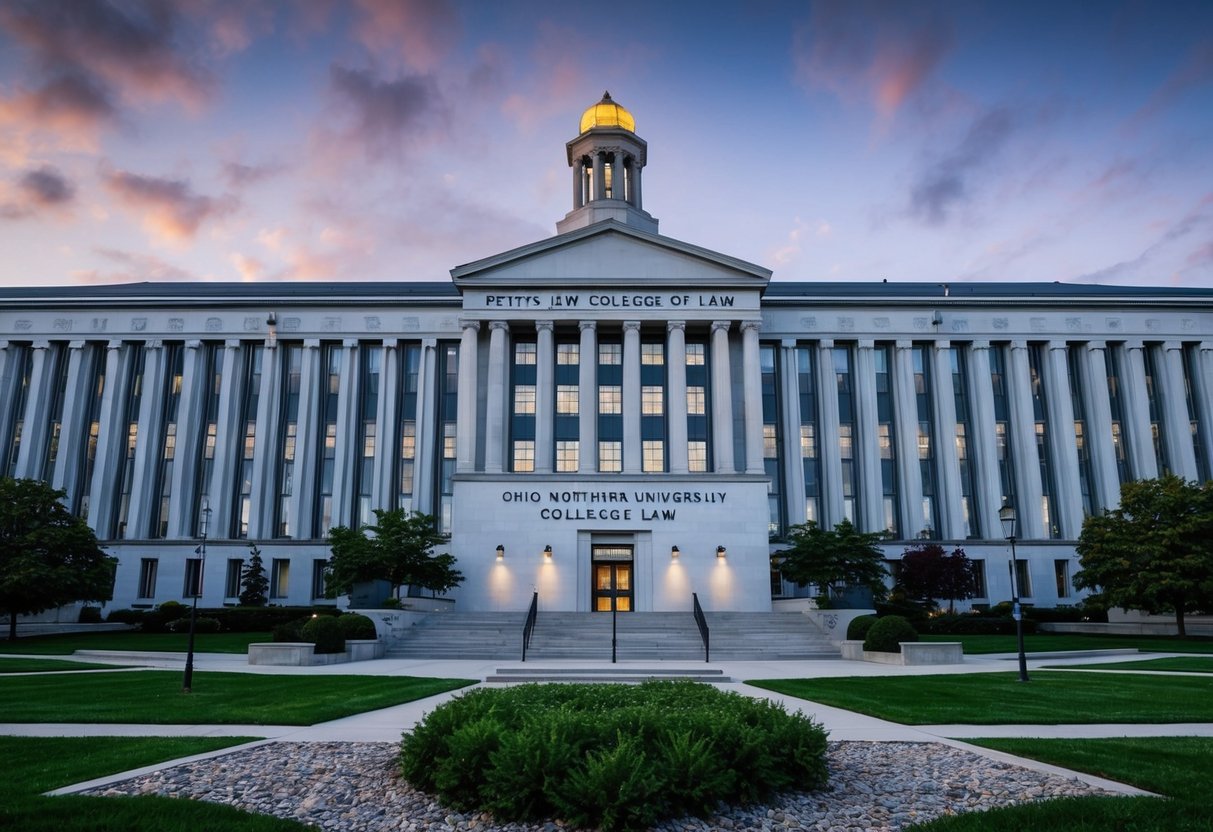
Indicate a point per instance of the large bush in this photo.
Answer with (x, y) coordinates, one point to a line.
(610, 756)
(887, 634)
(356, 626)
(202, 624)
(859, 626)
(975, 625)
(325, 633)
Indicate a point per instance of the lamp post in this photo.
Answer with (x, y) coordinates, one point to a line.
(187, 683)
(1008, 518)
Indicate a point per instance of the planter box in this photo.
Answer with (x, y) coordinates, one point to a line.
(913, 653)
(303, 653)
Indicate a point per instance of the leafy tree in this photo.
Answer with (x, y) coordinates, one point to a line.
(1155, 551)
(831, 560)
(928, 572)
(398, 548)
(48, 556)
(254, 585)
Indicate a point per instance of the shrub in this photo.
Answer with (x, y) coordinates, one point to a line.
(262, 619)
(202, 624)
(90, 615)
(172, 610)
(325, 633)
(887, 634)
(913, 611)
(858, 628)
(610, 756)
(975, 625)
(125, 616)
(290, 630)
(354, 625)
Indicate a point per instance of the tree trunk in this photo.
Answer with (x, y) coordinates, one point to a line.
(12, 626)
(1179, 621)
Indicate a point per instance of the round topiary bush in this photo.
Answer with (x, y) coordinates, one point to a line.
(356, 626)
(289, 630)
(887, 633)
(325, 633)
(857, 630)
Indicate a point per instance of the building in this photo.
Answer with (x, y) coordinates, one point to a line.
(607, 416)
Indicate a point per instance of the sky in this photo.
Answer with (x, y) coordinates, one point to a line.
(848, 140)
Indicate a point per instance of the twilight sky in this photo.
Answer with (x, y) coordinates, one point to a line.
(395, 139)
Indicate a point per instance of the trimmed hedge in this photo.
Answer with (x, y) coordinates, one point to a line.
(202, 624)
(887, 633)
(975, 625)
(857, 630)
(231, 619)
(356, 626)
(325, 633)
(611, 756)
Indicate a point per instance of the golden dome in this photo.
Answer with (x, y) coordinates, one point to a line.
(606, 113)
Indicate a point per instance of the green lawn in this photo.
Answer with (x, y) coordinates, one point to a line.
(155, 696)
(1173, 766)
(1049, 642)
(36, 765)
(1183, 664)
(1050, 698)
(68, 643)
(42, 665)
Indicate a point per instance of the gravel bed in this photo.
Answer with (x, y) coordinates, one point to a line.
(356, 787)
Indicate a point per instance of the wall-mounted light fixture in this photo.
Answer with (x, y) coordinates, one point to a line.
(721, 552)
(500, 552)
(674, 553)
(271, 324)
(547, 551)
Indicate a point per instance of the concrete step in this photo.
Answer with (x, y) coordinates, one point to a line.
(597, 675)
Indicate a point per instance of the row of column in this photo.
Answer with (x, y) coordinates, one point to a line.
(625, 180)
(497, 397)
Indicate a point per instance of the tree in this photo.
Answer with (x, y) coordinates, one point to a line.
(48, 556)
(254, 585)
(398, 548)
(927, 573)
(831, 560)
(1155, 551)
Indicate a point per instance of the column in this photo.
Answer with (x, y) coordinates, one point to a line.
(631, 397)
(34, 421)
(307, 447)
(545, 397)
(676, 402)
(1098, 410)
(618, 176)
(870, 498)
(943, 401)
(229, 437)
(465, 432)
(1063, 446)
(722, 399)
(982, 443)
(347, 434)
(1029, 492)
(1202, 395)
(149, 445)
(190, 434)
(578, 183)
(1143, 463)
(424, 469)
(10, 371)
(751, 381)
(111, 440)
(494, 436)
(599, 183)
(1174, 398)
(387, 427)
(827, 429)
(587, 398)
(267, 444)
(73, 435)
(905, 423)
(793, 465)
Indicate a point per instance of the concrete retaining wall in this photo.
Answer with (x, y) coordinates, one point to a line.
(913, 653)
(303, 653)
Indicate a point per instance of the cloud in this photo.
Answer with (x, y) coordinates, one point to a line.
(132, 267)
(948, 182)
(1161, 253)
(239, 175)
(170, 208)
(381, 117)
(879, 51)
(36, 189)
(801, 233)
(1196, 71)
(420, 33)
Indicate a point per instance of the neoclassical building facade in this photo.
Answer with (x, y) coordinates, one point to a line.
(608, 417)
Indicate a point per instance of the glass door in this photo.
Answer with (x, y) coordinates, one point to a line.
(612, 576)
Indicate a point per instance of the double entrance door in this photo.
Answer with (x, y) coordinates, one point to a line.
(613, 586)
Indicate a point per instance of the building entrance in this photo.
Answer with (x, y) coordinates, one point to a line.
(613, 588)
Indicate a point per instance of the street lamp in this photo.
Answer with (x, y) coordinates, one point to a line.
(187, 683)
(1006, 515)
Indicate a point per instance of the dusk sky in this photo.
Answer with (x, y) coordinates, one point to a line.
(395, 139)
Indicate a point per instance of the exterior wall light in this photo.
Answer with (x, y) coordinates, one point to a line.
(271, 323)
(721, 552)
(500, 552)
(547, 551)
(674, 553)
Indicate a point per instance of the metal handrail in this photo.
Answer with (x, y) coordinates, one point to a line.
(703, 627)
(529, 628)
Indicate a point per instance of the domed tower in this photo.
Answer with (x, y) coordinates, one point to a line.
(607, 157)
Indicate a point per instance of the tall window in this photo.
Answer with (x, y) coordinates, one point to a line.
(523, 375)
(330, 394)
(92, 424)
(652, 406)
(846, 431)
(205, 466)
(1200, 431)
(280, 578)
(887, 436)
(768, 361)
(1152, 356)
(56, 356)
(923, 384)
(410, 375)
(170, 403)
(248, 444)
(193, 578)
(1077, 380)
(292, 368)
(318, 586)
(23, 358)
(567, 426)
(231, 582)
(968, 472)
(147, 577)
(131, 420)
(1040, 414)
(448, 401)
(1117, 407)
(809, 459)
(1061, 576)
(610, 407)
(698, 453)
(368, 414)
(1002, 424)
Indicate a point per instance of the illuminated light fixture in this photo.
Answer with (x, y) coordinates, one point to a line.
(674, 553)
(721, 552)
(500, 552)
(547, 551)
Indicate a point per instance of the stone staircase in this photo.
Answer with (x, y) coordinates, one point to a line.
(611, 673)
(640, 637)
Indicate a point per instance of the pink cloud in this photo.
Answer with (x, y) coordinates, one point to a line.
(169, 207)
(415, 33)
(1196, 70)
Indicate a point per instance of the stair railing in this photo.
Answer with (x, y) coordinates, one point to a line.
(703, 627)
(528, 628)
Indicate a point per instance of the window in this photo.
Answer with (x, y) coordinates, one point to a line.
(696, 353)
(1023, 578)
(524, 399)
(280, 577)
(568, 354)
(610, 457)
(653, 455)
(652, 353)
(193, 578)
(611, 354)
(696, 401)
(524, 455)
(147, 577)
(1061, 574)
(524, 352)
(979, 577)
(652, 400)
(697, 456)
(231, 583)
(318, 568)
(610, 400)
(567, 455)
(566, 400)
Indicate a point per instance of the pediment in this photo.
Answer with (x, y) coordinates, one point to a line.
(610, 253)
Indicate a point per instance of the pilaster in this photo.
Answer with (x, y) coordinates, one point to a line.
(676, 368)
(631, 397)
(722, 399)
(545, 397)
(587, 398)
(465, 431)
(495, 401)
(751, 370)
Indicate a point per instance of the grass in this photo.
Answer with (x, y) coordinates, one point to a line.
(1050, 698)
(35, 765)
(1181, 664)
(1173, 766)
(43, 665)
(67, 643)
(155, 696)
(1049, 642)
